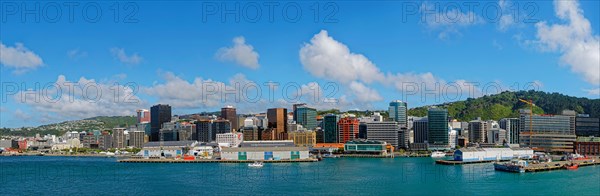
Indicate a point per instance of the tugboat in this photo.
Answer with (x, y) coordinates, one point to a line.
(438, 154)
(517, 166)
(571, 166)
(256, 164)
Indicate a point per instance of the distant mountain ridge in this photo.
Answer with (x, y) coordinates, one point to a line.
(507, 105)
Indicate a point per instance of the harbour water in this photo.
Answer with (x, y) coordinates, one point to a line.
(31, 175)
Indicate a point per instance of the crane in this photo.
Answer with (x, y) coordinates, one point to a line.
(530, 103)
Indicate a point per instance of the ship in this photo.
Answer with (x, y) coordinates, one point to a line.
(255, 164)
(438, 154)
(517, 166)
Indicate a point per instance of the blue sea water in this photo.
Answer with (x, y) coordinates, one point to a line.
(341, 176)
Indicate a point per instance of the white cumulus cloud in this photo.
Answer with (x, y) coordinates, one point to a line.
(64, 99)
(19, 58)
(447, 21)
(240, 53)
(119, 54)
(574, 39)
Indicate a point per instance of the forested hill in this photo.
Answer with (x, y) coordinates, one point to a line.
(507, 104)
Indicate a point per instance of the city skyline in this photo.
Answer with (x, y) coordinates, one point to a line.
(365, 65)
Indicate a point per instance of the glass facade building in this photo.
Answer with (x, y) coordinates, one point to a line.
(398, 112)
(330, 128)
(550, 133)
(437, 126)
(307, 117)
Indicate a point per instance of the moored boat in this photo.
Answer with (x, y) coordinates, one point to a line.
(255, 164)
(517, 166)
(571, 166)
(438, 154)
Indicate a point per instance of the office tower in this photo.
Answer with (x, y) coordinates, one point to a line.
(229, 113)
(159, 114)
(143, 116)
(295, 108)
(550, 133)
(478, 130)
(330, 128)
(420, 129)
(348, 129)
(437, 126)
(587, 126)
(403, 138)
(384, 131)
(511, 125)
(136, 138)
(119, 138)
(398, 112)
(305, 116)
(362, 130)
(203, 130)
(277, 118)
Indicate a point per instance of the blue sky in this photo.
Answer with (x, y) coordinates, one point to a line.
(370, 53)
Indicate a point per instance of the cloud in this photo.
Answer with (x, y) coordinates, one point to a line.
(497, 45)
(19, 114)
(364, 93)
(120, 54)
(593, 91)
(574, 39)
(240, 53)
(449, 21)
(507, 19)
(76, 54)
(64, 100)
(19, 58)
(327, 58)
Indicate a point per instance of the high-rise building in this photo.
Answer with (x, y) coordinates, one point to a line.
(550, 133)
(207, 130)
(305, 116)
(403, 138)
(386, 131)
(295, 108)
(229, 113)
(348, 129)
(159, 114)
(330, 128)
(136, 139)
(398, 112)
(231, 139)
(478, 130)
(511, 125)
(437, 127)
(119, 138)
(420, 130)
(203, 130)
(143, 116)
(278, 118)
(587, 126)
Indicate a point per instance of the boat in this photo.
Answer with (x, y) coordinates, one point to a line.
(517, 166)
(438, 154)
(255, 164)
(330, 156)
(571, 166)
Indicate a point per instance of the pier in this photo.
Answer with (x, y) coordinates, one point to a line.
(453, 162)
(137, 160)
(558, 165)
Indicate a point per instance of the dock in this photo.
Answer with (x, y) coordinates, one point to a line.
(556, 165)
(137, 160)
(453, 162)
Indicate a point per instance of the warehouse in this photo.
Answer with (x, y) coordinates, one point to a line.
(264, 153)
(491, 154)
(166, 148)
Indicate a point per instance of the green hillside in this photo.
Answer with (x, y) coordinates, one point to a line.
(507, 104)
(115, 121)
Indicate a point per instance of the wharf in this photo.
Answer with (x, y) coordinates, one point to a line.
(556, 165)
(138, 160)
(453, 162)
(366, 156)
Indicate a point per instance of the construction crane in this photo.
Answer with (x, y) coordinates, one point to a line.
(530, 103)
